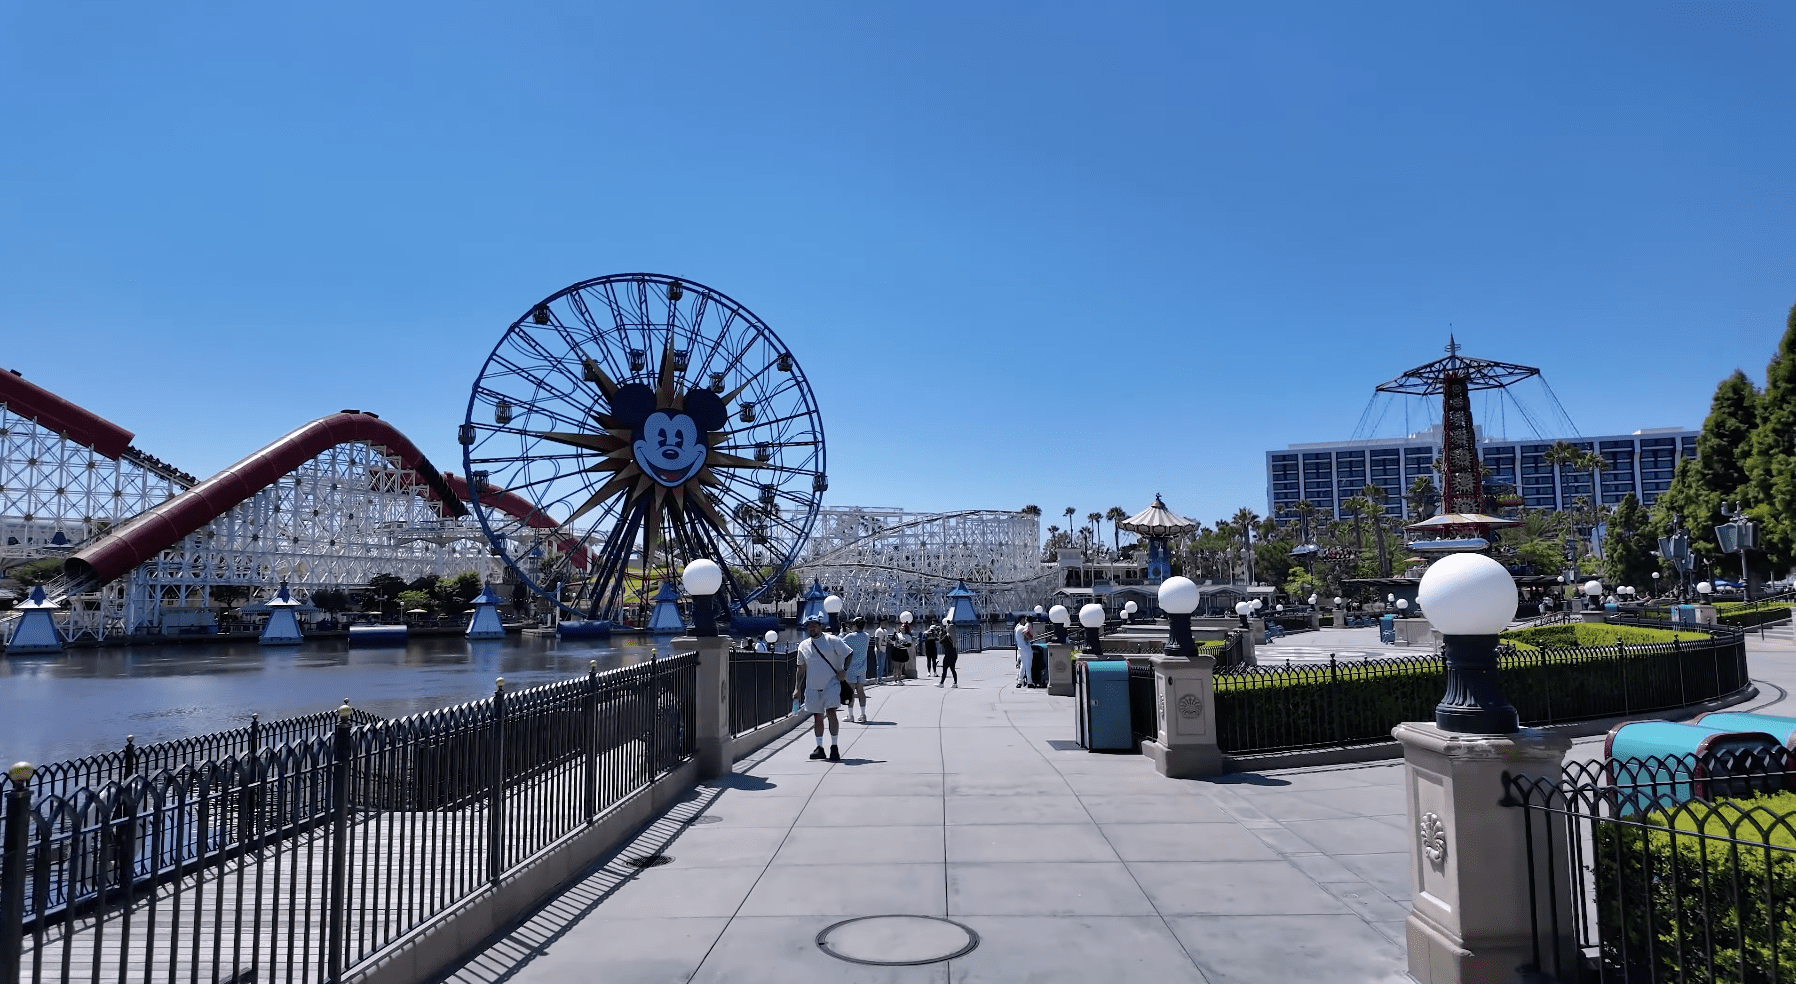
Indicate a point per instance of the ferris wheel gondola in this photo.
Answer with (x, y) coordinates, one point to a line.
(629, 424)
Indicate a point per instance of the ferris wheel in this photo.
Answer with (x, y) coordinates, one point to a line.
(629, 424)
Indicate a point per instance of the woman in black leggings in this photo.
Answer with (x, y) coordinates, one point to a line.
(950, 656)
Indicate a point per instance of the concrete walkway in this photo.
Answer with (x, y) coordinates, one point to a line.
(975, 804)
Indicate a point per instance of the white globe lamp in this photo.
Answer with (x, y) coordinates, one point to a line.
(1470, 598)
(1130, 608)
(1092, 617)
(701, 579)
(1061, 619)
(906, 618)
(1178, 599)
(771, 637)
(832, 606)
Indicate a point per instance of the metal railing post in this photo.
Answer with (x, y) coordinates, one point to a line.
(12, 872)
(1334, 695)
(338, 903)
(495, 809)
(592, 741)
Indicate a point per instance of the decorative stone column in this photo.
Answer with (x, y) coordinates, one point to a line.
(1469, 859)
(1184, 745)
(1060, 669)
(712, 700)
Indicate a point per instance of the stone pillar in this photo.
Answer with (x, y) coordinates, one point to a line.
(1060, 669)
(712, 700)
(1469, 860)
(1184, 745)
(1315, 620)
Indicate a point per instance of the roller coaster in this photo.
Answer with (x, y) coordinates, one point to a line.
(885, 560)
(144, 544)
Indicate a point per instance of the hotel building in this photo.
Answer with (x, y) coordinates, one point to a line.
(1327, 474)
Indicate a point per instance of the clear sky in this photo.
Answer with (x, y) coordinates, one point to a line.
(1050, 253)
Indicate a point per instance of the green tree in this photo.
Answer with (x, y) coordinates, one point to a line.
(1115, 515)
(413, 598)
(451, 596)
(1771, 468)
(1718, 473)
(1421, 498)
(36, 572)
(1375, 495)
(1628, 546)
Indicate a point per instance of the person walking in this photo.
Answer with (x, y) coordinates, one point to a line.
(1025, 657)
(860, 642)
(825, 661)
(950, 656)
(931, 641)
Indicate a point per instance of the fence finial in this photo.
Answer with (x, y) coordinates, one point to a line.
(21, 772)
(344, 710)
(499, 684)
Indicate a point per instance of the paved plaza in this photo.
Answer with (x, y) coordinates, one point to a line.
(975, 804)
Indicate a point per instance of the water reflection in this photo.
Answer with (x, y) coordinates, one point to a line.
(87, 700)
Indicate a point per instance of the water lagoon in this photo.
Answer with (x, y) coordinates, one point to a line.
(85, 701)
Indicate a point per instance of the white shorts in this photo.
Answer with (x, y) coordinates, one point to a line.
(818, 701)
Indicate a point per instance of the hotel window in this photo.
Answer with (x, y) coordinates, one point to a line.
(1350, 473)
(1573, 484)
(1499, 465)
(1318, 480)
(1386, 472)
(1537, 485)
(1689, 447)
(1658, 462)
(1618, 470)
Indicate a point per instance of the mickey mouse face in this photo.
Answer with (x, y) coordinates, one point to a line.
(669, 444)
(669, 449)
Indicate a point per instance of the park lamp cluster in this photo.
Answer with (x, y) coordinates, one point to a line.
(1061, 618)
(1470, 598)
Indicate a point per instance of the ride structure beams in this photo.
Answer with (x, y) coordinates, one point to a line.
(882, 561)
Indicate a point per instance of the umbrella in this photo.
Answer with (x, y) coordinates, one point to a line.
(417, 611)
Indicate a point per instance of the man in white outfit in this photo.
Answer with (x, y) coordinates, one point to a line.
(825, 661)
(1025, 657)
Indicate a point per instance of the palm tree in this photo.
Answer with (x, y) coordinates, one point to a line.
(1375, 495)
(1095, 519)
(1357, 507)
(1115, 515)
(1421, 497)
(1245, 519)
(1032, 510)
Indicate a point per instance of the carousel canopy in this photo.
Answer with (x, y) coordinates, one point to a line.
(1462, 519)
(1157, 520)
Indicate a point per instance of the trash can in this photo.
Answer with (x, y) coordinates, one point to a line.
(1656, 764)
(1387, 629)
(1781, 728)
(1038, 664)
(1101, 696)
(1683, 614)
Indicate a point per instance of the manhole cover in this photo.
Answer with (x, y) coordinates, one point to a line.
(651, 861)
(897, 941)
(707, 818)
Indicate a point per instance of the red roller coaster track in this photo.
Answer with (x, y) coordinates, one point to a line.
(154, 530)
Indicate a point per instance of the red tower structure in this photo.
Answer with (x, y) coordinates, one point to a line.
(1454, 378)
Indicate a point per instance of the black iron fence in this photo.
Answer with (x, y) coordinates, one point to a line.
(1269, 708)
(301, 861)
(1674, 869)
(760, 689)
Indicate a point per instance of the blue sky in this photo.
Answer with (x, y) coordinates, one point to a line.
(1050, 253)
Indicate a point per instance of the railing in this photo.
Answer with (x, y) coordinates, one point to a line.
(1662, 869)
(760, 689)
(94, 771)
(1262, 709)
(302, 861)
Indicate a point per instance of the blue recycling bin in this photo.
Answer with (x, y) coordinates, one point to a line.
(1101, 695)
(1658, 764)
(1781, 728)
(1387, 629)
(1683, 614)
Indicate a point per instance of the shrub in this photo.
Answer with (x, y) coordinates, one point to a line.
(1702, 892)
(1587, 634)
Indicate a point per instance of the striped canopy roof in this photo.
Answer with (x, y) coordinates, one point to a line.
(1157, 520)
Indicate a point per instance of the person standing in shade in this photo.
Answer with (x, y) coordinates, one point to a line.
(1025, 657)
(903, 648)
(825, 661)
(859, 641)
(950, 656)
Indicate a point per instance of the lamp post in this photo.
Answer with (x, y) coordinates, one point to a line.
(1470, 598)
(1241, 609)
(1735, 536)
(1402, 607)
(770, 637)
(1703, 589)
(1129, 610)
(701, 579)
(1178, 599)
(1092, 617)
(1060, 617)
(1593, 592)
(832, 606)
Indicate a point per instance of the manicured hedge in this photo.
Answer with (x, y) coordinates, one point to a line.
(1586, 634)
(1702, 892)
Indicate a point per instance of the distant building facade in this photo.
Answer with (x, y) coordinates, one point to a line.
(1330, 473)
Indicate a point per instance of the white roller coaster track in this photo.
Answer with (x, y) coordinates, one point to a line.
(886, 560)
